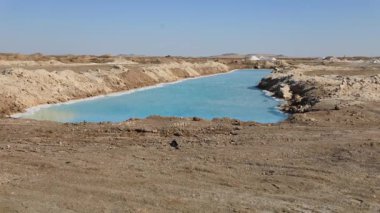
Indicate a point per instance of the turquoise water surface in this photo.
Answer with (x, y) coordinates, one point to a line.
(232, 95)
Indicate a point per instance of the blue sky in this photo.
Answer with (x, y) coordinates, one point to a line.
(191, 27)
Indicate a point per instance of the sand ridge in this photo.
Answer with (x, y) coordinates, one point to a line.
(23, 87)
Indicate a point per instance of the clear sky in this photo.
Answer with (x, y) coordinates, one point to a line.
(191, 27)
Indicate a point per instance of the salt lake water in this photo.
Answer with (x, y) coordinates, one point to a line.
(232, 95)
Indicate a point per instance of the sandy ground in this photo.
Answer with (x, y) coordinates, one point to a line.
(324, 160)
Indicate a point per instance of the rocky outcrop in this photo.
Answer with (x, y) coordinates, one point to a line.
(298, 94)
(303, 91)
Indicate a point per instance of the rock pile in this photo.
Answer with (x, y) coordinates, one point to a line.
(302, 91)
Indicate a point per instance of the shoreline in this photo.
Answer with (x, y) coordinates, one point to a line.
(34, 109)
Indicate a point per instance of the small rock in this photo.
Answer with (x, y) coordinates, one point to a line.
(238, 128)
(297, 98)
(337, 107)
(233, 133)
(140, 130)
(196, 119)
(269, 172)
(285, 92)
(119, 67)
(174, 144)
(178, 134)
(7, 72)
(145, 130)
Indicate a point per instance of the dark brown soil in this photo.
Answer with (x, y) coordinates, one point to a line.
(321, 161)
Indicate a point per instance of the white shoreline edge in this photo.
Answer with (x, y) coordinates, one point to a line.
(32, 110)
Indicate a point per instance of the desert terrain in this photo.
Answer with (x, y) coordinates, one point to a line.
(324, 158)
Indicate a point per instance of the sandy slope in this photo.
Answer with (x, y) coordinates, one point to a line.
(23, 84)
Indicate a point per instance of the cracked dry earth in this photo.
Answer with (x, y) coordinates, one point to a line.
(321, 161)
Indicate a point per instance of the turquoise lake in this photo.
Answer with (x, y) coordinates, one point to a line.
(232, 95)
